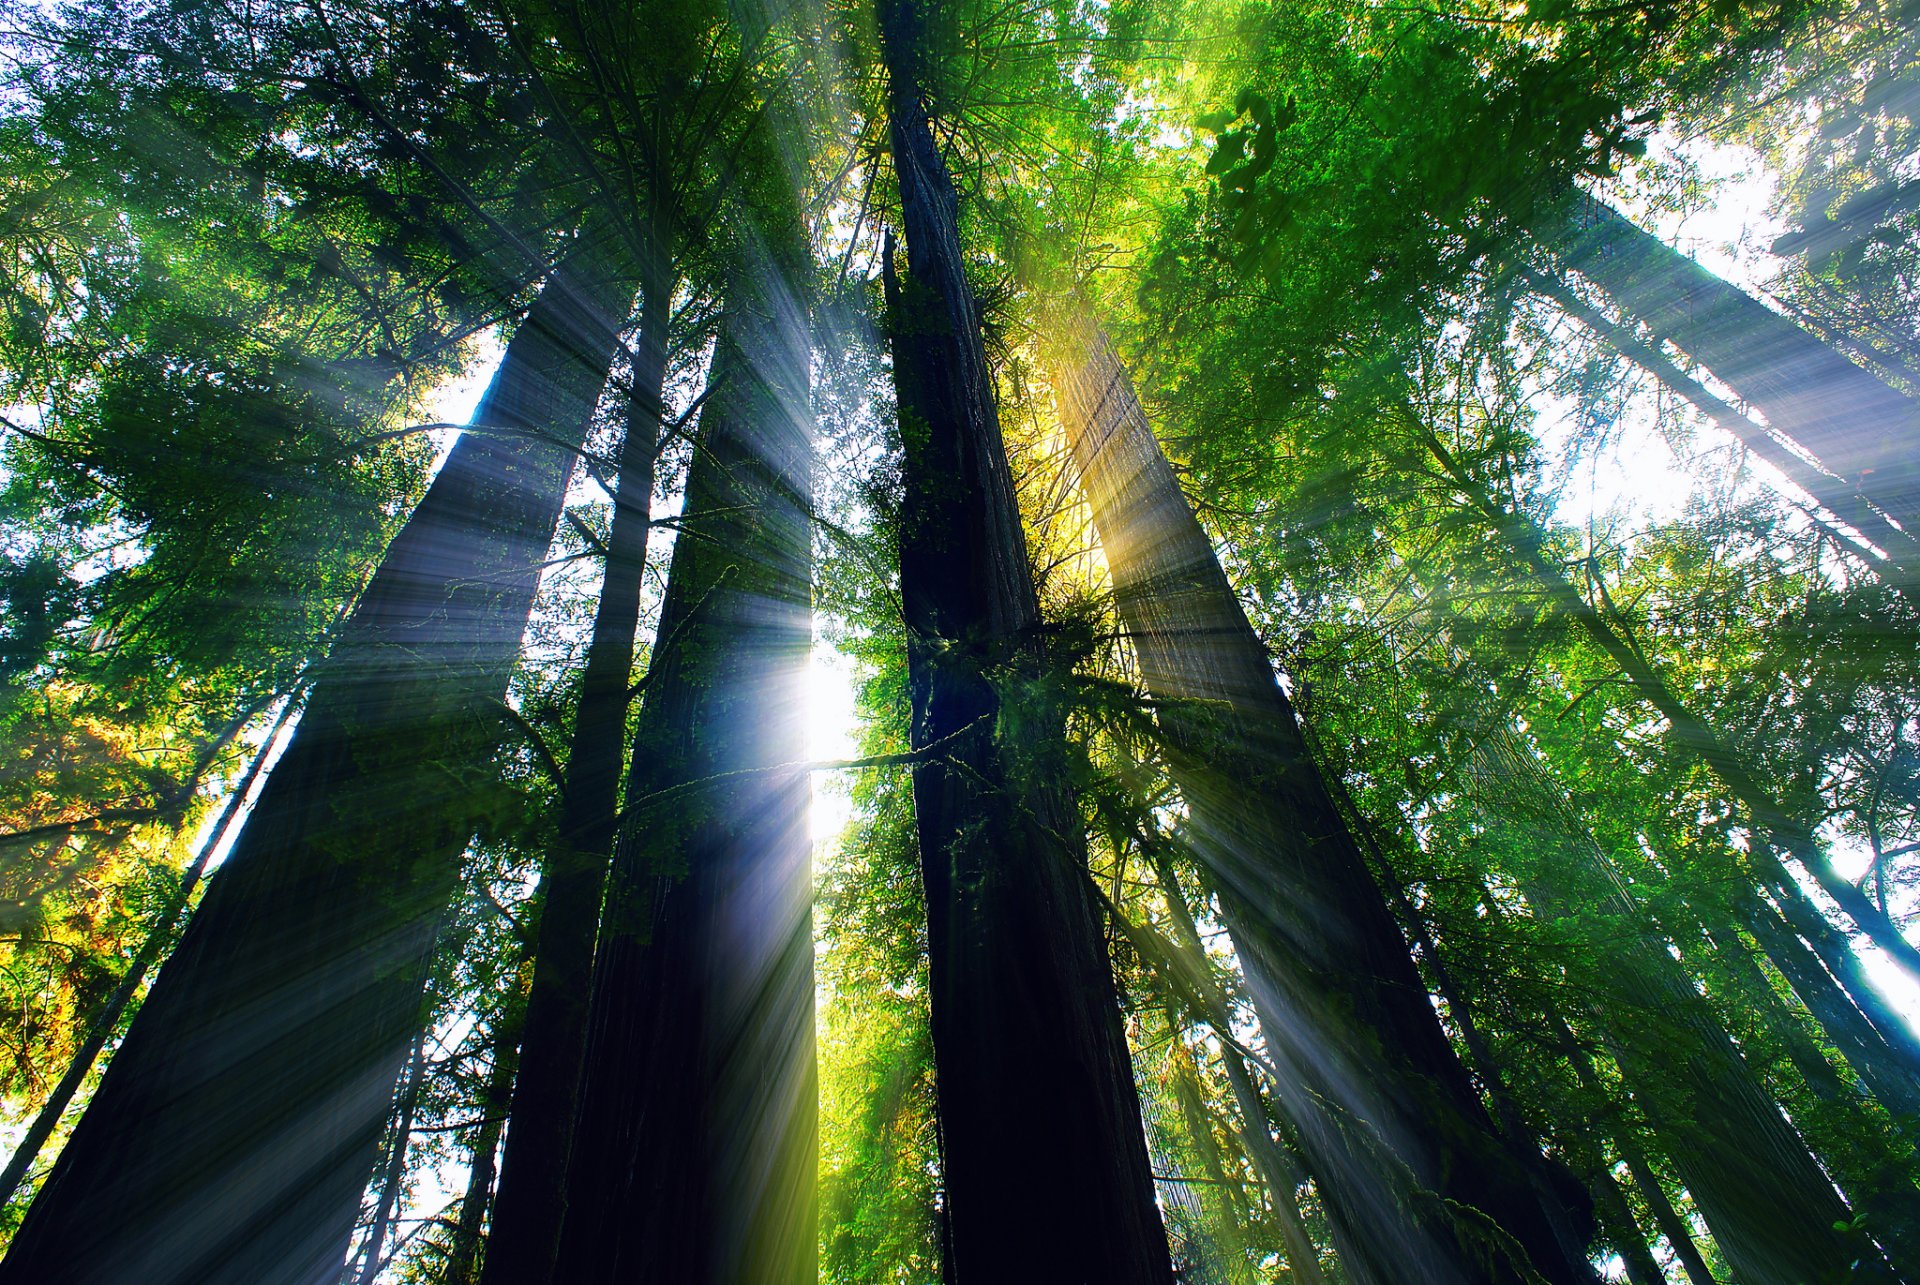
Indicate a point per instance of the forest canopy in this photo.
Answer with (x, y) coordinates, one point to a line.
(1368, 554)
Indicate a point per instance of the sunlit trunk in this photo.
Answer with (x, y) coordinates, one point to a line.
(1901, 565)
(1383, 1107)
(1692, 733)
(695, 1148)
(1857, 427)
(236, 1127)
(531, 1202)
(1771, 1209)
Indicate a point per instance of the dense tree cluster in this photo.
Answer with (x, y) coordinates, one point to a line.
(1386, 687)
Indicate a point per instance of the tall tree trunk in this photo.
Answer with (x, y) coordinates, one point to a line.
(1771, 1208)
(1388, 1120)
(1887, 1067)
(391, 1181)
(463, 1251)
(107, 1021)
(1690, 731)
(695, 1153)
(1276, 1165)
(1044, 1154)
(1857, 427)
(1665, 1216)
(1617, 1225)
(1901, 565)
(531, 1203)
(238, 1123)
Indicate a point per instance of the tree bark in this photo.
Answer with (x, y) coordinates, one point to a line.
(1857, 427)
(1045, 1159)
(531, 1203)
(1388, 1120)
(235, 1129)
(463, 1253)
(1276, 1164)
(695, 1152)
(395, 1175)
(1901, 563)
(1672, 1226)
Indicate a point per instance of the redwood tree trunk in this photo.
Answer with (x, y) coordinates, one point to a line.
(531, 1201)
(1044, 1157)
(1690, 731)
(235, 1129)
(1900, 567)
(1857, 427)
(695, 1148)
(1384, 1109)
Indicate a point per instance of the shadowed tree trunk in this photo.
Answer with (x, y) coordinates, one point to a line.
(531, 1203)
(1887, 1067)
(235, 1129)
(1672, 1226)
(695, 1152)
(1857, 427)
(1276, 1165)
(1044, 1157)
(393, 1178)
(463, 1250)
(1389, 1123)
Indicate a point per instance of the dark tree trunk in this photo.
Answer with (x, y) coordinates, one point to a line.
(1857, 427)
(1384, 1109)
(1888, 1068)
(1275, 1163)
(1665, 1216)
(236, 1127)
(695, 1148)
(1679, 1235)
(394, 1176)
(1622, 1234)
(1044, 1155)
(463, 1250)
(531, 1203)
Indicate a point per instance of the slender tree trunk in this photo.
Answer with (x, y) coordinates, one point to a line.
(1691, 732)
(463, 1253)
(531, 1203)
(1902, 561)
(1616, 1220)
(1045, 1160)
(695, 1154)
(1388, 1120)
(1887, 1067)
(107, 1021)
(1857, 427)
(1804, 922)
(1672, 1226)
(1277, 1166)
(1771, 1208)
(235, 1129)
(372, 1253)
(1679, 1235)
